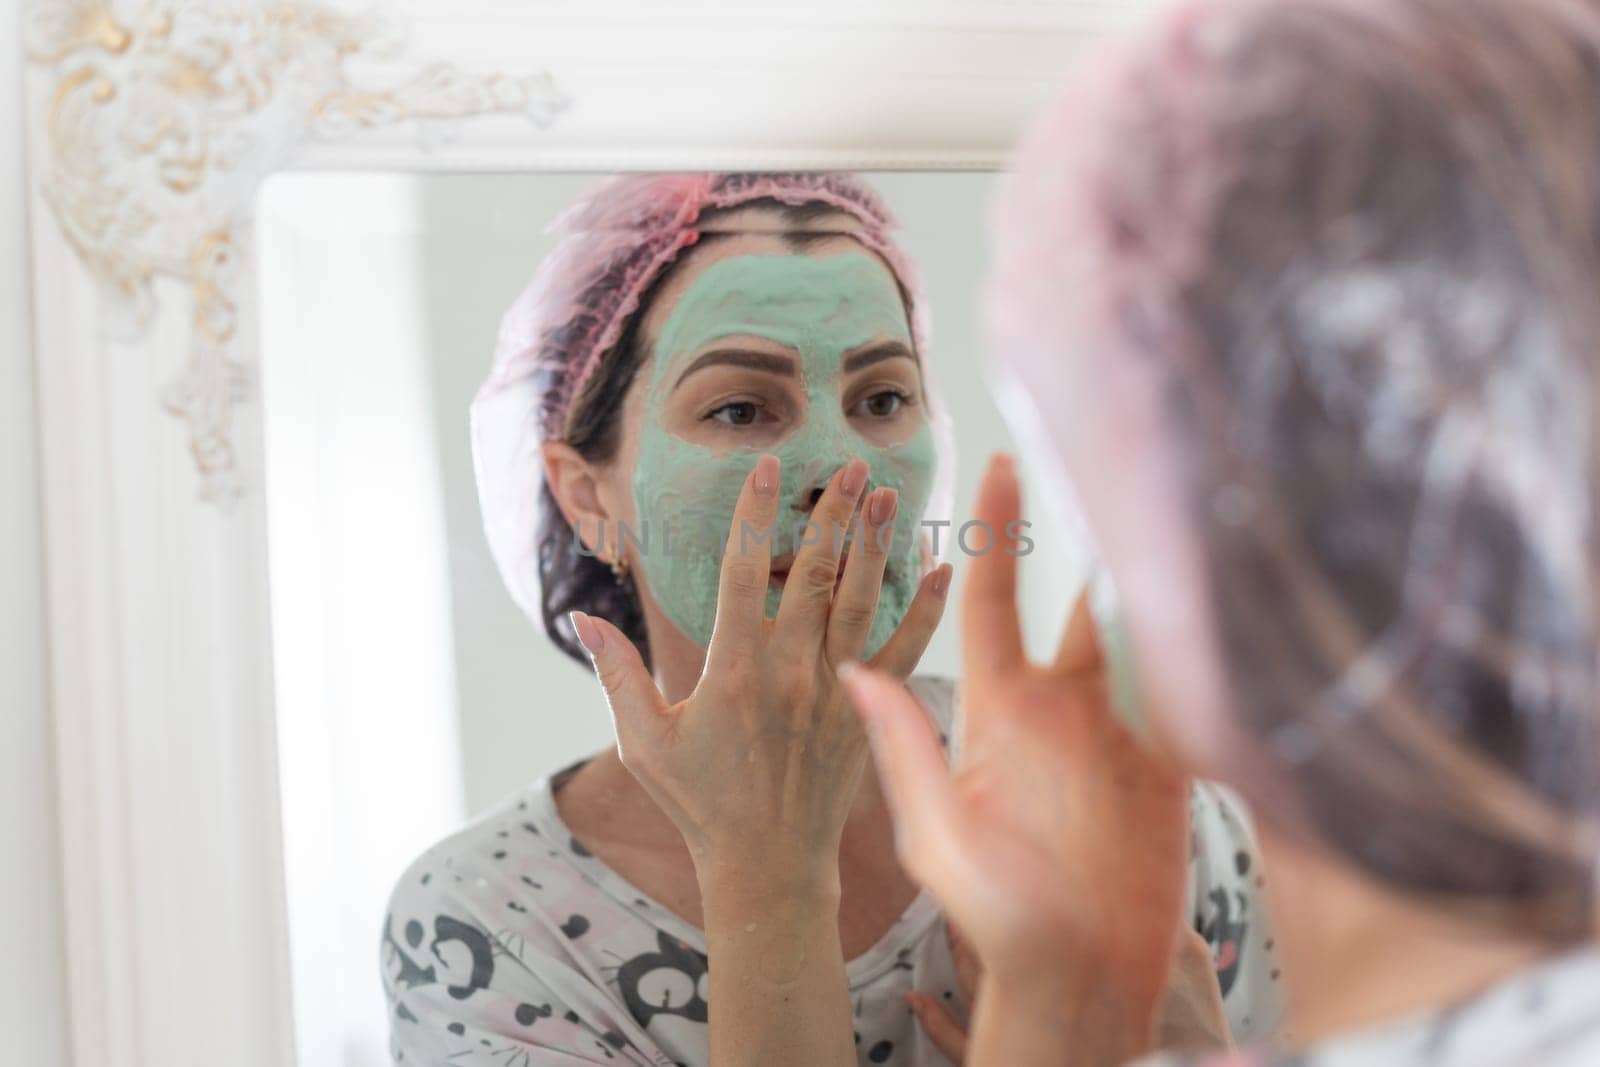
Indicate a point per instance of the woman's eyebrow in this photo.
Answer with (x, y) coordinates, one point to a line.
(741, 357)
(876, 354)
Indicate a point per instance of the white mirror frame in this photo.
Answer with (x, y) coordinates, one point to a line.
(150, 125)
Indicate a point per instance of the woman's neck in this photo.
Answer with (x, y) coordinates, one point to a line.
(1358, 955)
(678, 665)
(676, 662)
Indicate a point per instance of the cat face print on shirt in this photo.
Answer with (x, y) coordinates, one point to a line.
(665, 988)
(1224, 929)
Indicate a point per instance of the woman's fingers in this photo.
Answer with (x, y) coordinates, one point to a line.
(808, 592)
(856, 602)
(940, 1026)
(637, 706)
(1192, 1017)
(911, 766)
(746, 565)
(1079, 652)
(900, 654)
(991, 632)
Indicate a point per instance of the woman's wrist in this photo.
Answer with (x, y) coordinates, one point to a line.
(741, 884)
(1036, 1013)
(1057, 952)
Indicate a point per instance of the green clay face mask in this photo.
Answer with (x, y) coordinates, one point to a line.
(820, 308)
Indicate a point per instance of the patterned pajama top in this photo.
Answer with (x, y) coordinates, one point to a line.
(509, 944)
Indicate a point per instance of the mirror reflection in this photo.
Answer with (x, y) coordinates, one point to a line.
(656, 367)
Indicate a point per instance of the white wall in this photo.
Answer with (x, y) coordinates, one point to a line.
(33, 1005)
(525, 709)
(370, 772)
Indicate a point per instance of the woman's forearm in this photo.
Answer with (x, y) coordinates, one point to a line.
(1043, 1018)
(778, 994)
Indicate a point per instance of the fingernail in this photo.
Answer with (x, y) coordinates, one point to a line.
(940, 582)
(854, 479)
(589, 635)
(885, 503)
(766, 477)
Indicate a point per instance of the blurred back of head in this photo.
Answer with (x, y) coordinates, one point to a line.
(1359, 243)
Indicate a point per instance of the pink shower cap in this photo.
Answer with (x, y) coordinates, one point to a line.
(614, 243)
(1299, 295)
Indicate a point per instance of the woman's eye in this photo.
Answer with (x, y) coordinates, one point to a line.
(882, 405)
(738, 413)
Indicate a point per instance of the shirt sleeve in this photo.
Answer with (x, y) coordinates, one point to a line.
(1229, 910)
(462, 995)
(940, 698)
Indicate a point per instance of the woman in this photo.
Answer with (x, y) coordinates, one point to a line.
(1332, 288)
(708, 357)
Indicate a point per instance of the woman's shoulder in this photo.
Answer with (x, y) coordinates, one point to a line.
(1222, 830)
(477, 827)
(494, 938)
(500, 912)
(501, 871)
(450, 861)
(439, 928)
(939, 693)
(939, 688)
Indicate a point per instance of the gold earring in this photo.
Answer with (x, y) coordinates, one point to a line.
(619, 567)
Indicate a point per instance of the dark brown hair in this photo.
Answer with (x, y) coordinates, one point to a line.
(570, 578)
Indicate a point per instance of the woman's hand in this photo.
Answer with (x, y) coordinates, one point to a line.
(1192, 1017)
(1058, 845)
(758, 767)
(943, 1028)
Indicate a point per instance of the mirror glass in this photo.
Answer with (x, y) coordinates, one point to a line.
(411, 692)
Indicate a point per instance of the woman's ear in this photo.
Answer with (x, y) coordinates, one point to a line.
(575, 484)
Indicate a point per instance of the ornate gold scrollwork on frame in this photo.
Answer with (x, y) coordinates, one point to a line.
(164, 117)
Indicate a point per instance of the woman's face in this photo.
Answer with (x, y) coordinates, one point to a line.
(752, 348)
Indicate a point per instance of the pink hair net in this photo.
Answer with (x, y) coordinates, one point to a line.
(1299, 298)
(613, 244)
